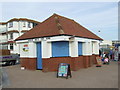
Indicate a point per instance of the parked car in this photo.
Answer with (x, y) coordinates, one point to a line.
(10, 59)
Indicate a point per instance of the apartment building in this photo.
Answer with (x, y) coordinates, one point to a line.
(12, 29)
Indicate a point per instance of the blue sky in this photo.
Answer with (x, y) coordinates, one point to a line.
(94, 16)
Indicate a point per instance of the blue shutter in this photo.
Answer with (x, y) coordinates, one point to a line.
(39, 56)
(60, 49)
(79, 48)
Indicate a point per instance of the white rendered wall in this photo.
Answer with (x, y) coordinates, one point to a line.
(87, 48)
(32, 50)
(15, 49)
(19, 25)
(3, 38)
(32, 53)
(46, 44)
(15, 35)
(73, 48)
(95, 47)
(46, 49)
(3, 28)
(22, 25)
(15, 26)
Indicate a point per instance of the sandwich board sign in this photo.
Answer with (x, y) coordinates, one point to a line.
(64, 70)
(99, 62)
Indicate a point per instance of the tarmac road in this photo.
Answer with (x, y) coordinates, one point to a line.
(4, 80)
(92, 77)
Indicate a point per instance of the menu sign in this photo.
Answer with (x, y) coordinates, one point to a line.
(64, 70)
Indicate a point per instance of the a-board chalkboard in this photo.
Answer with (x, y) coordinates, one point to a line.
(99, 61)
(64, 70)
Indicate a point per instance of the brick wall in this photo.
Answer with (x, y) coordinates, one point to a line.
(76, 63)
(28, 63)
(51, 64)
(4, 52)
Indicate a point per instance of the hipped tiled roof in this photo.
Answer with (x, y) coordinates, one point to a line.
(58, 25)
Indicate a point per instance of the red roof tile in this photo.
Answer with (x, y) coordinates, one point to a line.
(58, 25)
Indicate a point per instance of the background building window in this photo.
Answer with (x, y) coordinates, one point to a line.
(10, 24)
(24, 24)
(11, 46)
(34, 24)
(11, 35)
(29, 26)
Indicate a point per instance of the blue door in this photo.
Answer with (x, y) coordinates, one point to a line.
(60, 49)
(39, 56)
(79, 48)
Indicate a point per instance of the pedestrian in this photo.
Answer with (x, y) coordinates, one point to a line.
(103, 56)
(100, 52)
(116, 54)
(111, 54)
(106, 60)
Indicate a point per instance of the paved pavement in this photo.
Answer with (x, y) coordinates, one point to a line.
(4, 80)
(93, 77)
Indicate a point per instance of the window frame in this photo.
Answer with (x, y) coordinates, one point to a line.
(11, 46)
(11, 35)
(29, 24)
(10, 24)
(24, 24)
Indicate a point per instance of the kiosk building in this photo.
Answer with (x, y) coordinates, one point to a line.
(58, 40)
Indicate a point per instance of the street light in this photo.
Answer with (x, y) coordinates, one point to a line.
(99, 31)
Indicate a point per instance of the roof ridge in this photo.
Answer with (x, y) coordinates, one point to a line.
(63, 17)
(61, 31)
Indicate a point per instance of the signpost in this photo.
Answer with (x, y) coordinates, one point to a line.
(64, 70)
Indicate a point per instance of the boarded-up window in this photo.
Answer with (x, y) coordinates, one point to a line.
(60, 49)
